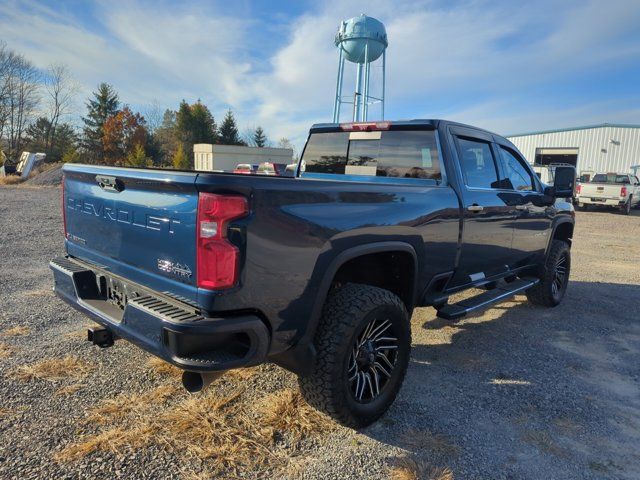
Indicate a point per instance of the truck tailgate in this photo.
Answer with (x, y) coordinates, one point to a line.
(600, 190)
(138, 224)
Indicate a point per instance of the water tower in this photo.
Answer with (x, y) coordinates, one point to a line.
(361, 40)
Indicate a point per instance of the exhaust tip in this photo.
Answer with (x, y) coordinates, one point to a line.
(195, 382)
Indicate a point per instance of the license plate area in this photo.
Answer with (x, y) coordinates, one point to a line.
(597, 199)
(115, 291)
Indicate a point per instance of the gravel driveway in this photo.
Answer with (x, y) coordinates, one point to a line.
(516, 393)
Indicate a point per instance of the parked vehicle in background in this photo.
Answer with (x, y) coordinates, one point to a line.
(618, 190)
(266, 168)
(320, 272)
(244, 168)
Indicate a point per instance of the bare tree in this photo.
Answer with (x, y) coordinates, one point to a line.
(61, 90)
(8, 60)
(19, 96)
(153, 114)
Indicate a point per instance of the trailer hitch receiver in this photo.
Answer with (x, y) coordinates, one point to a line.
(100, 336)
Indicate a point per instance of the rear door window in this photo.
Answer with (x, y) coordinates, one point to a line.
(389, 153)
(477, 163)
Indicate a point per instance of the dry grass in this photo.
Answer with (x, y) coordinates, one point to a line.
(4, 412)
(506, 381)
(5, 350)
(544, 442)
(227, 434)
(11, 180)
(436, 443)
(210, 427)
(15, 331)
(67, 390)
(54, 369)
(566, 424)
(286, 412)
(39, 292)
(240, 373)
(112, 440)
(167, 370)
(163, 368)
(126, 404)
(414, 469)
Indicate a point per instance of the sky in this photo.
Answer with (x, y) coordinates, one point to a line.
(509, 66)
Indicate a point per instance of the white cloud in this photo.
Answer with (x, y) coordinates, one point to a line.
(471, 59)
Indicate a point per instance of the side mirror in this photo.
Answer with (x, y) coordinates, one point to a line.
(564, 182)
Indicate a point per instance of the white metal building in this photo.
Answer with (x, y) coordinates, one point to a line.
(592, 149)
(208, 157)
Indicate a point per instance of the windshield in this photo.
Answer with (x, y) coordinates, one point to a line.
(610, 178)
(395, 153)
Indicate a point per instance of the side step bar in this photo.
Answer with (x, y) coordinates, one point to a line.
(479, 302)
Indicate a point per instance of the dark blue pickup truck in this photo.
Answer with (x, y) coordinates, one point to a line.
(318, 272)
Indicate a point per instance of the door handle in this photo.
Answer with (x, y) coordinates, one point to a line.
(475, 208)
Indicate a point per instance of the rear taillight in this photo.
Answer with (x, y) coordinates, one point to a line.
(623, 192)
(578, 188)
(64, 209)
(217, 258)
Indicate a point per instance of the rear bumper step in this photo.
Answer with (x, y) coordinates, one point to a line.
(484, 300)
(169, 329)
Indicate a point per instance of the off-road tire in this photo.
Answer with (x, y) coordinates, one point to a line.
(626, 208)
(346, 313)
(543, 293)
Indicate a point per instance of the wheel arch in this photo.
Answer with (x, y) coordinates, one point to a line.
(562, 230)
(297, 358)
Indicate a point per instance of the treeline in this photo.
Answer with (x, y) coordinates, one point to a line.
(37, 114)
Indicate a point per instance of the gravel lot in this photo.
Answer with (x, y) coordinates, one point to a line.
(516, 393)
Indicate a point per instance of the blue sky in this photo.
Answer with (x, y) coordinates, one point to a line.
(509, 66)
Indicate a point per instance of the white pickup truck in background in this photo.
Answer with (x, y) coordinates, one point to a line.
(610, 190)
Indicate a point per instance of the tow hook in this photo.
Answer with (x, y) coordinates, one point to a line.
(100, 336)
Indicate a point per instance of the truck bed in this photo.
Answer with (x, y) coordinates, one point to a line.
(140, 226)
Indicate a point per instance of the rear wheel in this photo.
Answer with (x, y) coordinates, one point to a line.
(362, 345)
(554, 276)
(626, 208)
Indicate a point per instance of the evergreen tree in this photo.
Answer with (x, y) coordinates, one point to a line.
(180, 160)
(166, 137)
(40, 137)
(203, 125)
(71, 156)
(229, 131)
(194, 124)
(138, 157)
(103, 105)
(259, 138)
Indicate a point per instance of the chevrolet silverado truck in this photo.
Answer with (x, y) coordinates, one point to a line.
(620, 191)
(318, 272)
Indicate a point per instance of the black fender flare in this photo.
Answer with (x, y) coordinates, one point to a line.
(300, 358)
(556, 224)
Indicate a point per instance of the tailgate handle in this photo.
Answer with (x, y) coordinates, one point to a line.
(107, 182)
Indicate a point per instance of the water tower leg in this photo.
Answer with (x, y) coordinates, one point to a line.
(338, 100)
(365, 88)
(384, 72)
(358, 95)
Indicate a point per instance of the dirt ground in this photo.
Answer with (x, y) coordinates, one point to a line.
(518, 392)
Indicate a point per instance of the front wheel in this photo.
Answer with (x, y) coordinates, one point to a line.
(362, 343)
(554, 276)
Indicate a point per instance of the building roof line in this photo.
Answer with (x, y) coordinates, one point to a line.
(587, 127)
